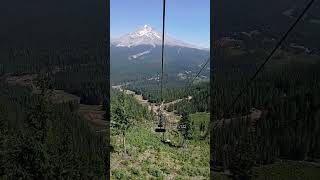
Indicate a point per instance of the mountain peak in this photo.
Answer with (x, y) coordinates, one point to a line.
(147, 35)
(146, 26)
(145, 31)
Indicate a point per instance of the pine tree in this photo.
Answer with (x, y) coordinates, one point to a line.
(187, 132)
(242, 161)
(122, 120)
(27, 156)
(3, 137)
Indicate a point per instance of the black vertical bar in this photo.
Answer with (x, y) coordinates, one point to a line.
(107, 59)
(163, 26)
(213, 37)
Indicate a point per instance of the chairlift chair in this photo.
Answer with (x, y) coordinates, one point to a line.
(161, 127)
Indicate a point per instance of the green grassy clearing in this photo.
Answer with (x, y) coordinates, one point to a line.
(149, 158)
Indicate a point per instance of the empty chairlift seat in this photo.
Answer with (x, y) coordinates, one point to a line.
(161, 127)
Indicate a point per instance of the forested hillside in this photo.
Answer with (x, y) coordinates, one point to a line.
(80, 71)
(172, 91)
(269, 17)
(285, 122)
(44, 132)
(41, 139)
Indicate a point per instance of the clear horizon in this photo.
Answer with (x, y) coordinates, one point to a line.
(186, 20)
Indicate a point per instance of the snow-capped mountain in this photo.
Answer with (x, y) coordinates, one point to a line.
(147, 35)
(138, 54)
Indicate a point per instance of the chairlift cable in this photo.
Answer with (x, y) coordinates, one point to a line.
(283, 38)
(162, 48)
(194, 78)
(161, 127)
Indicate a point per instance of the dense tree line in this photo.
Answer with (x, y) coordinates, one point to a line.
(286, 92)
(199, 93)
(139, 113)
(87, 81)
(150, 90)
(32, 60)
(81, 71)
(199, 102)
(42, 140)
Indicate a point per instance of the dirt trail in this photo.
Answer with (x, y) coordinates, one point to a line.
(171, 117)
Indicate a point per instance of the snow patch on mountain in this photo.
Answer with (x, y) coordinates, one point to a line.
(138, 55)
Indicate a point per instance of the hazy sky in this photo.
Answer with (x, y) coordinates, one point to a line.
(187, 20)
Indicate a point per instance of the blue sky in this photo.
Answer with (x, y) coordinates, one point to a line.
(187, 20)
